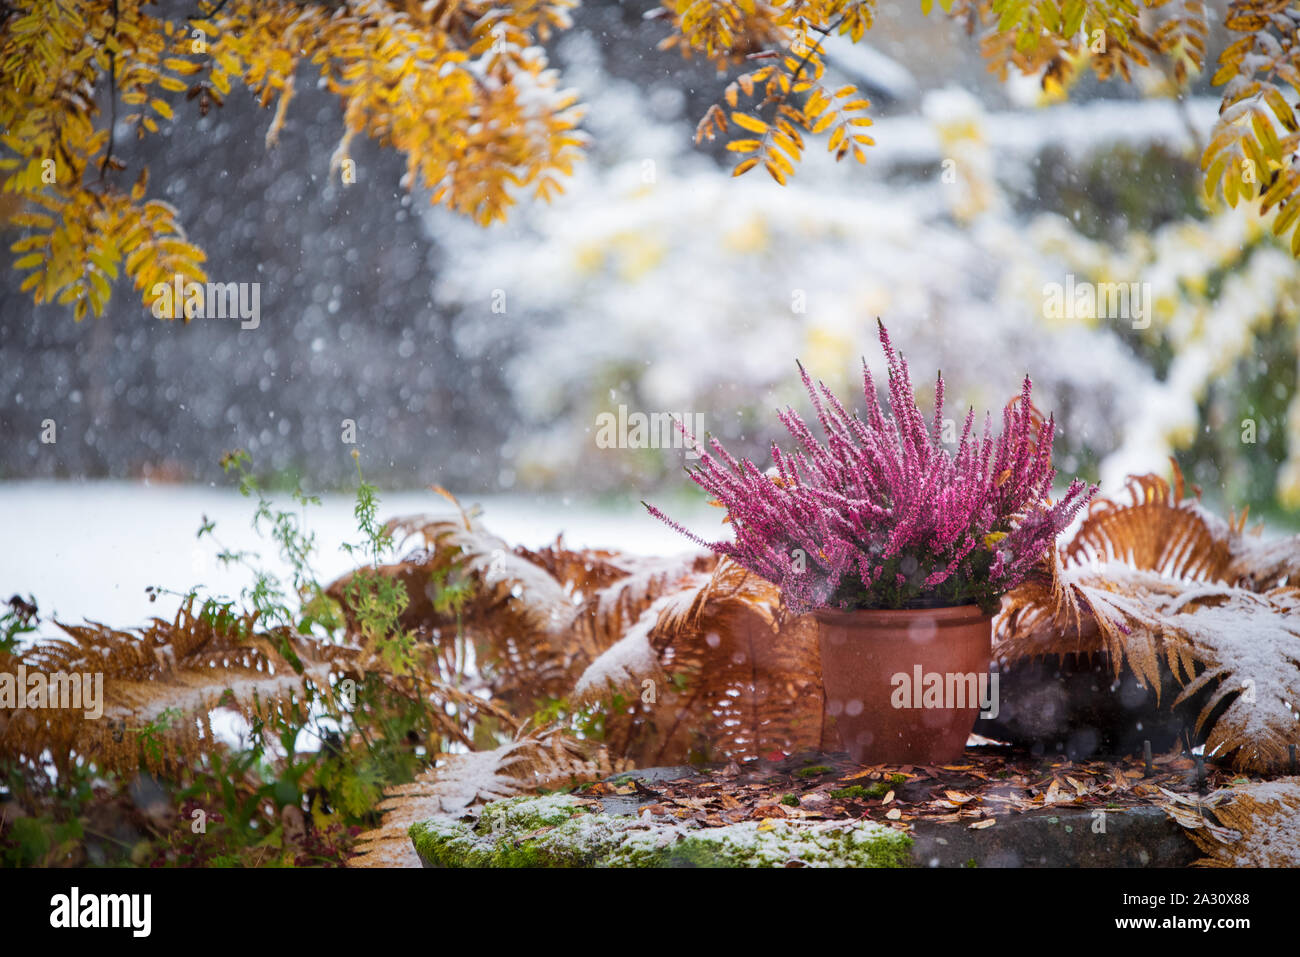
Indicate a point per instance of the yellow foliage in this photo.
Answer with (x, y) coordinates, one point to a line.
(791, 93)
(461, 88)
(1252, 146)
(1252, 154)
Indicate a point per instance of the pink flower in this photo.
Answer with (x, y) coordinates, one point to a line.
(881, 514)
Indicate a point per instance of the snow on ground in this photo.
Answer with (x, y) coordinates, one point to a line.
(89, 549)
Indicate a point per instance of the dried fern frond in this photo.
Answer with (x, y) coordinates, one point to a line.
(1250, 652)
(742, 678)
(544, 758)
(505, 583)
(160, 685)
(467, 582)
(609, 612)
(536, 619)
(1161, 585)
(1156, 529)
(1253, 825)
(1264, 565)
(588, 570)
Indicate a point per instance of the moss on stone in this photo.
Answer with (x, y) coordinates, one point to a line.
(529, 814)
(557, 831)
(855, 791)
(813, 771)
(550, 831)
(877, 789)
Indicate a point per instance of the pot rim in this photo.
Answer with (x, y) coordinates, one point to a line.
(891, 617)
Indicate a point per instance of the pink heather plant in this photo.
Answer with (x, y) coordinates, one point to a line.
(883, 515)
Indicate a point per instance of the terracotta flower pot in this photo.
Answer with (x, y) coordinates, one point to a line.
(905, 687)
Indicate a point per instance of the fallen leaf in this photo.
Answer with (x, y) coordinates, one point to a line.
(860, 774)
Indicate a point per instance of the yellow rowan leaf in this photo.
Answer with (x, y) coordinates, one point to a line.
(747, 122)
(105, 263)
(101, 286)
(181, 67)
(822, 124)
(816, 103)
(1281, 109)
(787, 144)
(786, 127)
(1286, 216)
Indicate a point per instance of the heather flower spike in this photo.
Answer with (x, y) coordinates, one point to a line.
(881, 514)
